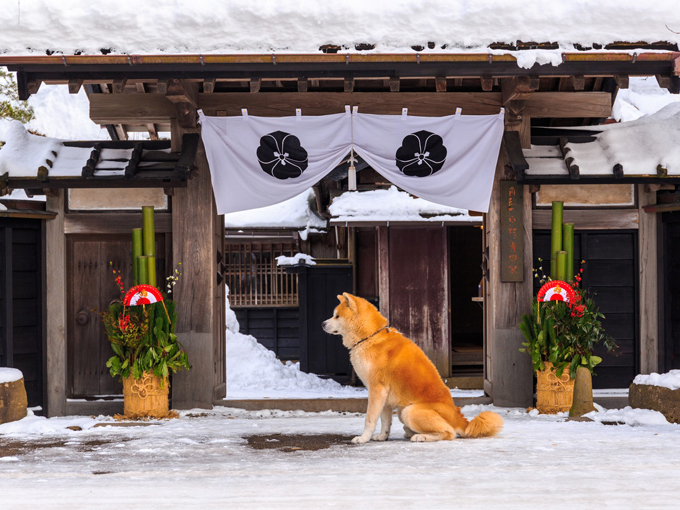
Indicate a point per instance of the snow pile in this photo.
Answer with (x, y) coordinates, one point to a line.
(8, 375)
(2, 207)
(295, 213)
(231, 26)
(629, 416)
(39, 425)
(254, 371)
(642, 97)
(639, 146)
(670, 380)
(392, 205)
(298, 258)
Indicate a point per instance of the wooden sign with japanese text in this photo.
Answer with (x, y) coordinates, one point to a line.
(512, 232)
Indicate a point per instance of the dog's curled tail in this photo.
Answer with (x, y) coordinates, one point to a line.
(484, 424)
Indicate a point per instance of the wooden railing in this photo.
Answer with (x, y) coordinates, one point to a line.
(253, 277)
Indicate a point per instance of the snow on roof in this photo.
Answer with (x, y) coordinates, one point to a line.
(639, 146)
(265, 26)
(642, 97)
(24, 153)
(60, 115)
(295, 213)
(392, 205)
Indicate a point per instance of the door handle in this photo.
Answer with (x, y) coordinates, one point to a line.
(83, 318)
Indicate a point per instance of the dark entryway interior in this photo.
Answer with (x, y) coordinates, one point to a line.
(611, 276)
(670, 335)
(21, 302)
(467, 314)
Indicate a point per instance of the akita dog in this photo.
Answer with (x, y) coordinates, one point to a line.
(399, 375)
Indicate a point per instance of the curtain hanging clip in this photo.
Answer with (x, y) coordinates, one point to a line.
(459, 111)
(347, 108)
(502, 111)
(355, 109)
(244, 112)
(298, 113)
(404, 113)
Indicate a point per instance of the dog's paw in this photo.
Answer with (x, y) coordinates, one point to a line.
(419, 438)
(360, 440)
(380, 437)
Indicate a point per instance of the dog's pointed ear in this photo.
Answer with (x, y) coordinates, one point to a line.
(350, 300)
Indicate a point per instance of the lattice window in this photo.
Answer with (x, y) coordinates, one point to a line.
(253, 277)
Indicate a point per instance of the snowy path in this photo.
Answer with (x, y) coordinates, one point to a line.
(203, 462)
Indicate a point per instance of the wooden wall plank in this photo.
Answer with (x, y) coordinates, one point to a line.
(55, 248)
(649, 295)
(591, 219)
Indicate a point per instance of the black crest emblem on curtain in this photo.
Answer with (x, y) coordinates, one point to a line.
(421, 154)
(281, 155)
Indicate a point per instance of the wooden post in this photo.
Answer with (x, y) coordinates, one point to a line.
(648, 281)
(510, 372)
(199, 298)
(55, 275)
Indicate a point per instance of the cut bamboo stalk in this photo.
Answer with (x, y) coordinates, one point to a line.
(148, 231)
(151, 270)
(142, 266)
(556, 239)
(568, 246)
(561, 265)
(136, 252)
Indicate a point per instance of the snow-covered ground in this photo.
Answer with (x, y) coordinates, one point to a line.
(203, 462)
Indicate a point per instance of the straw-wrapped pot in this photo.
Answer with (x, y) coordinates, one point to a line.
(553, 394)
(146, 397)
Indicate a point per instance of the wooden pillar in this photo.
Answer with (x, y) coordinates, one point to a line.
(509, 379)
(56, 299)
(200, 299)
(648, 281)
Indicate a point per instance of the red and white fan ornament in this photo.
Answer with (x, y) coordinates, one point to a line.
(556, 290)
(142, 295)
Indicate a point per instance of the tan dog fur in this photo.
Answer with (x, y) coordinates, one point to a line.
(399, 375)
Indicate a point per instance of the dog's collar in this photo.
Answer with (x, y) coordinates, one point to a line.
(369, 336)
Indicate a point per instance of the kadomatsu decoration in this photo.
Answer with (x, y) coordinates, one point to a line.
(141, 329)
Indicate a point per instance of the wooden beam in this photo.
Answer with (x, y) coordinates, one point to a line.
(255, 84)
(209, 85)
(618, 170)
(187, 115)
(622, 80)
(112, 223)
(131, 167)
(119, 86)
(648, 283)
(302, 85)
(487, 83)
(88, 169)
(518, 87)
(182, 91)
(150, 127)
(578, 81)
(74, 86)
(395, 83)
(440, 84)
(589, 219)
(138, 109)
(664, 81)
(569, 105)
(131, 109)
(348, 84)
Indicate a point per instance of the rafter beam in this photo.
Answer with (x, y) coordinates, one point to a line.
(182, 91)
(518, 88)
(74, 86)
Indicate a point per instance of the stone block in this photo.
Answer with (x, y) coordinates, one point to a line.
(13, 401)
(657, 398)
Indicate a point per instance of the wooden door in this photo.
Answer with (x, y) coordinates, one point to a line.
(21, 302)
(92, 287)
(414, 287)
(670, 346)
